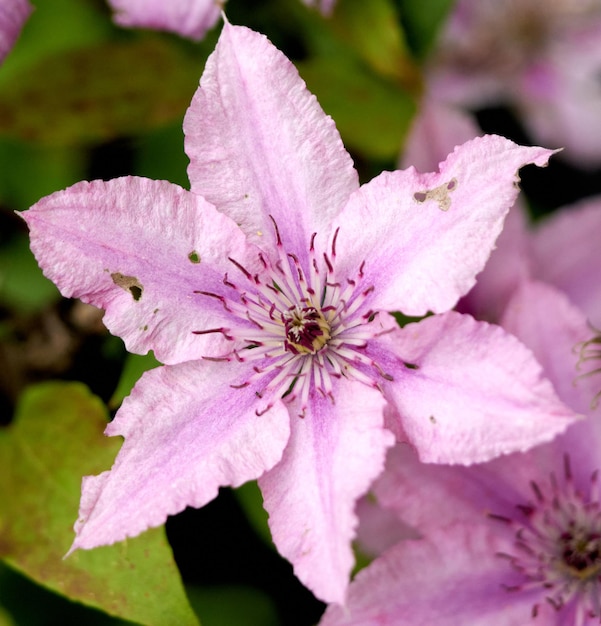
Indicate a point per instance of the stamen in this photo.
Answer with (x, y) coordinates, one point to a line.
(213, 330)
(588, 351)
(298, 325)
(558, 544)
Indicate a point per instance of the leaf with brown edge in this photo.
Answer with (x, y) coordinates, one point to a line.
(55, 439)
(98, 93)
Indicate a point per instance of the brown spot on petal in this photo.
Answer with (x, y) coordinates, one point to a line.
(129, 283)
(439, 194)
(432, 419)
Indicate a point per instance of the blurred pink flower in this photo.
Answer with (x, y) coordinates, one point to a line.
(13, 14)
(541, 58)
(188, 18)
(560, 249)
(265, 291)
(508, 541)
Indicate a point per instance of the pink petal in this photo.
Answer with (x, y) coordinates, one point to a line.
(13, 14)
(477, 391)
(425, 495)
(140, 248)
(447, 225)
(508, 265)
(452, 578)
(380, 528)
(189, 18)
(567, 253)
(559, 96)
(428, 496)
(187, 432)
(333, 455)
(435, 132)
(260, 145)
(544, 320)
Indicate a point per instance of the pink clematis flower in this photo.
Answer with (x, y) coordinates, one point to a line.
(188, 18)
(510, 542)
(265, 291)
(541, 58)
(560, 249)
(13, 14)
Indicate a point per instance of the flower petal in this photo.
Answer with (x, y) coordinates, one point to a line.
(189, 18)
(187, 432)
(558, 94)
(447, 225)
(13, 14)
(454, 577)
(476, 392)
(140, 249)
(568, 255)
(260, 145)
(508, 265)
(334, 453)
(427, 496)
(548, 324)
(435, 132)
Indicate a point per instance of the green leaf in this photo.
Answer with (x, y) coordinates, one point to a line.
(251, 500)
(135, 365)
(228, 605)
(373, 31)
(53, 26)
(5, 618)
(23, 287)
(372, 114)
(100, 92)
(422, 21)
(30, 604)
(30, 171)
(160, 155)
(55, 439)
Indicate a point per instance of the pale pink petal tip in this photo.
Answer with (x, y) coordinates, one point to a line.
(188, 18)
(13, 14)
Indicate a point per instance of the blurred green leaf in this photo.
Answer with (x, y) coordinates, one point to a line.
(23, 287)
(135, 365)
(372, 114)
(100, 92)
(56, 439)
(373, 30)
(54, 26)
(5, 618)
(29, 604)
(250, 498)
(160, 154)
(30, 171)
(233, 605)
(422, 21)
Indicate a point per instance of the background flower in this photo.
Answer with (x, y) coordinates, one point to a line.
(13, 15)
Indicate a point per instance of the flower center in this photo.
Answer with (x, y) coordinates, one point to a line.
(579, 550)
(301, 325)
(307, 330)
(558, 545)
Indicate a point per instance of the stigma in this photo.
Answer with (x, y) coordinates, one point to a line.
(307, 330)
